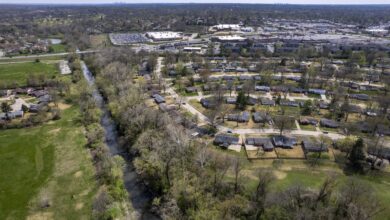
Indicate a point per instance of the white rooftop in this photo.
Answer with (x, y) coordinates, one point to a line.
(192, 48)
(227, 26)
(164, 35)
(231, 38)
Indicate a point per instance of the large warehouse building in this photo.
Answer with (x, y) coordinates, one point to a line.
(225, 27)
(164, 36)
(229, 38)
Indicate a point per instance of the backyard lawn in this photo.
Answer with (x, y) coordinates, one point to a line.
(46, 166)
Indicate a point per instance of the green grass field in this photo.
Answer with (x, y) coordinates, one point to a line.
(51, 58)
(46, 163)
(308, 127)
(16, 73)
(58, 48)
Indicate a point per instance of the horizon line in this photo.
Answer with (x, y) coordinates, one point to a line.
(201, 3)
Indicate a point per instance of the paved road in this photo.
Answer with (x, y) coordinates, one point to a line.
(48, 55)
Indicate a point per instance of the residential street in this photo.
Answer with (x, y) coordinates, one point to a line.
(205, 120)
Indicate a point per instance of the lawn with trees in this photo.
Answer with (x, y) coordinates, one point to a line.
(17, 74)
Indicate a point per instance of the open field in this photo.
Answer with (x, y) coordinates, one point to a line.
(17, 73)
(47, 164)
(25, 59)
(58, 48)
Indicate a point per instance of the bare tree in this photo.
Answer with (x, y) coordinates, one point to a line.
(237, 167)
(265, 178)
(283, 123)
(203, 155)
(219, 165)
(325, 192)
(357, 200)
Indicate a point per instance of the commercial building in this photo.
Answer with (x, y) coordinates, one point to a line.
(164, 36)
(192, 49)
(225, 27)
(229, 38)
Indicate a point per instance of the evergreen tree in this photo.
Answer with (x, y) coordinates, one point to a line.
(357, 155)
(307, 108)
(6, 108)
(24, 108)
(241, 100)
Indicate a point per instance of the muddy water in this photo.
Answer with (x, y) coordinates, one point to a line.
(138, 195)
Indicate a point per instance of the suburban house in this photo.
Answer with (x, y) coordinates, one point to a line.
(244, 117)
(361, 97)
(313, 146)
(251, 101)
(298, 90)
(36, 107)
(323, 105)
(284, 142)
(191, 89)
(225, 140)
(266, 101)
(265, 143)
(262, 117)
(381, 153)
(289, 103)
(263, 88)
(39, 93)
(207, 103)
(245, 78)
(317, 91)
(329, 123)
(231, 100)
(257, 78)
(158, 98)
(16, 114)
(44, 99)
(308, 121)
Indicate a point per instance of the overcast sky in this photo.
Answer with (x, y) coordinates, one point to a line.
(199, 1)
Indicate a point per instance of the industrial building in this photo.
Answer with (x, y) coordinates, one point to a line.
(225, 27)
(164, 36)
(229, 38)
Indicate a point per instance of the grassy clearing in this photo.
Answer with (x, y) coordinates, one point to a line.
(308, 127)
(17, 73)
(46, 163)
(52, 57)
(58, 48)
